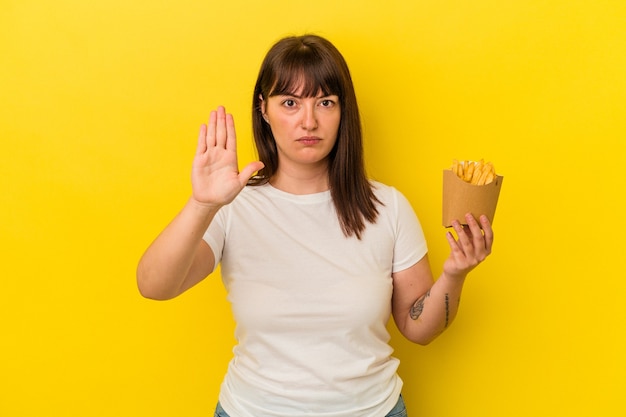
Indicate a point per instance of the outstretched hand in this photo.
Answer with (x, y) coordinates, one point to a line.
(215, 177)
(471, 248)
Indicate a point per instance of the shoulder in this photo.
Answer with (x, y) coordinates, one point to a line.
(393, 203)
(387, 194)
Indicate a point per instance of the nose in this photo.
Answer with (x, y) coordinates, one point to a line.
(309, 118)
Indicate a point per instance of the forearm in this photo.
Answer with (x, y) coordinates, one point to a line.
(170, 264)
(434, 312)
(423, 309)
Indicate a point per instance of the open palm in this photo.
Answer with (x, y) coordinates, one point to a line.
(215, 177)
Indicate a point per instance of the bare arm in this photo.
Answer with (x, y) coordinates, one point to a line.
(179, 258)
(422, 309)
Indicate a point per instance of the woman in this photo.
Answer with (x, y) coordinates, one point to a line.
(315, 257)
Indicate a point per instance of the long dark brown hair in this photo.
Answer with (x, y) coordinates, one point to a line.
(314, 61)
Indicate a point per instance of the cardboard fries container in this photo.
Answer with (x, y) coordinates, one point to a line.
(460, 198)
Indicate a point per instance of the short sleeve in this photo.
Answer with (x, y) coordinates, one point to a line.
(410, 246)
(215, 236)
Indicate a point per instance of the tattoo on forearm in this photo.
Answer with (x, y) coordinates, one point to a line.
(418, 307)
(447, 310)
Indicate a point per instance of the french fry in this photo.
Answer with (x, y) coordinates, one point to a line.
(469, 171)
(483, 177)
(491, 175)
(478, 169)
(476, 175)
(474, 172)
(459, 169)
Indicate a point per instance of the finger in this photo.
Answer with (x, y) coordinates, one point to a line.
(476, 234)
(231, 135)
(201, 148)
(220, 127)
(488, 232)
(210, 135)
(459, 245)
(463, 240)
(249, 170)
(454, 245)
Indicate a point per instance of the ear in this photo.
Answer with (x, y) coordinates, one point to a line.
(263, 107)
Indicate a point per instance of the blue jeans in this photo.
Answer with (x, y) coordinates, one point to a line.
(399, 410)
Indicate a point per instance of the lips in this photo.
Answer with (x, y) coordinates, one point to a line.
(309, 140)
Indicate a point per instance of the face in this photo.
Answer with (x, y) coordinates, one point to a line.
(304, 128)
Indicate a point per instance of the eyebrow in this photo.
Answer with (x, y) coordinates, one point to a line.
(299, 96)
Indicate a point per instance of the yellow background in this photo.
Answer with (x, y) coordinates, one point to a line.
(100, 106)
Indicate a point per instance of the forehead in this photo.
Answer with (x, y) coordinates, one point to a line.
(300, 92)
(303, 83)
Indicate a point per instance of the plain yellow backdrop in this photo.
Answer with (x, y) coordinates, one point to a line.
(100, 106)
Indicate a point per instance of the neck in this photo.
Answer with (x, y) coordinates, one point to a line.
(310, 181)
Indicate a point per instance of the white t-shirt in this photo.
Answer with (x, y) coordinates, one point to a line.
(311, 305)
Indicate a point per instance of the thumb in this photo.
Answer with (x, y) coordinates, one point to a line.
(249, 170)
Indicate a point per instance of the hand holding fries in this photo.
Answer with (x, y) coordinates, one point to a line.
(475, 173)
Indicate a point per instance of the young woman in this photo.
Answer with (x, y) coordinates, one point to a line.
(314, 255)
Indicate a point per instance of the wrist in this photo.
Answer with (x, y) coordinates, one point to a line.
(454, 277)
(206, 209)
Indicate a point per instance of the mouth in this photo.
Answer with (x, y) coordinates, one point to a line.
(309, 140)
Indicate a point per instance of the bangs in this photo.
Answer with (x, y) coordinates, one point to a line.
(305, 73)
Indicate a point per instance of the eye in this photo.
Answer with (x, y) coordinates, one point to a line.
(328, 102)
(289, 103)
